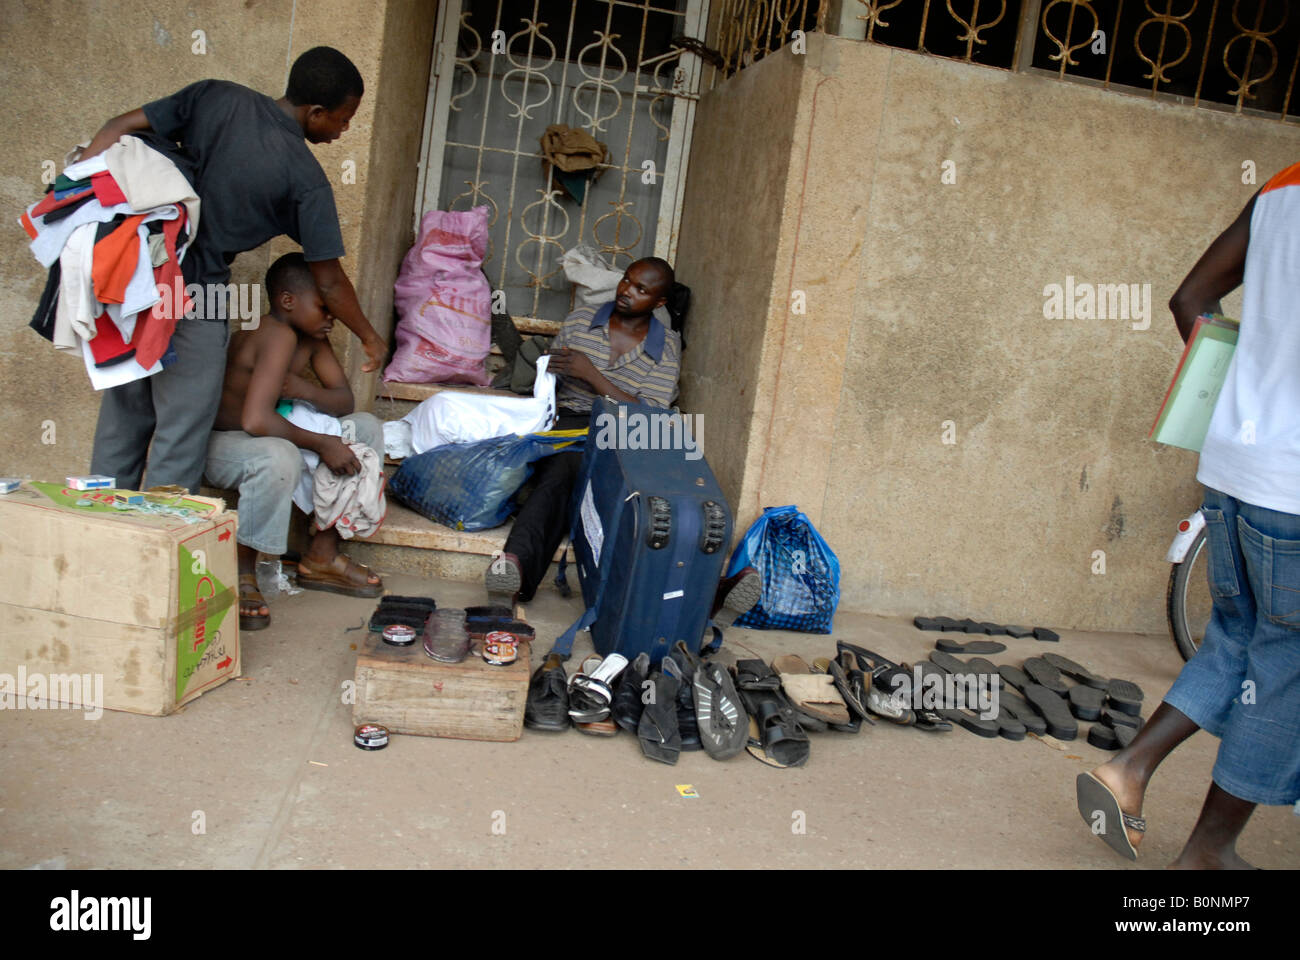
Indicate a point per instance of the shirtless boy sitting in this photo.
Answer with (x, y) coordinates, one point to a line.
(255, 449)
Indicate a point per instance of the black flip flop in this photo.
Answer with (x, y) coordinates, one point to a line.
(755, 675)
(977, 725)
(1014, 676)
(926, 623)
(1100, 810)
(973, 646)
(1042, 672)
(1060, 723)
(1103, 737)
(1018, 632)
(1042, 633)
(1075, 670)
(1118, 719)
(1085, 702)
(1125, 696)
(1033, 721)
(842, 672)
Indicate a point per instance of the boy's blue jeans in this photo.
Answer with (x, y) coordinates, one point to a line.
(1243, 685)
(265, 471)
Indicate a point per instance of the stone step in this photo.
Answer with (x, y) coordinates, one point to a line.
(410, 543)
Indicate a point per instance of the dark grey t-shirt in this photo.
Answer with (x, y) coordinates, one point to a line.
(257, 178)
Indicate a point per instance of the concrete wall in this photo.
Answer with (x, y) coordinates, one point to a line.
(113, 57)
(925, 305)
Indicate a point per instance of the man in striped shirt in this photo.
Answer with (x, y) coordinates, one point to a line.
(619, 350)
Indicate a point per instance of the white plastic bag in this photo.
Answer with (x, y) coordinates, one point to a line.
(452, 417)
(594, 280)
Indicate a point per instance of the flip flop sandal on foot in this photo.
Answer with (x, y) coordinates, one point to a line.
(1112, 826)
(1055, 710)
(1022, 711)
(251, 598)
(811, 693)
(719, 713)
(657, 730)
(1124, 696)
(1076, 671)
(973, 646)
(1085, 702)
(341, 575)
(1042, 672)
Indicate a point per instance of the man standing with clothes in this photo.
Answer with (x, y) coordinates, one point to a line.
(1243, 684)
(257, 179)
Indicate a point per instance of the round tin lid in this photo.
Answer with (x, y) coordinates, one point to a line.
(370, 736)
(399, 635)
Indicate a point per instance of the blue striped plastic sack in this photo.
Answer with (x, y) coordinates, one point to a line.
(472, 486)
(800, 573)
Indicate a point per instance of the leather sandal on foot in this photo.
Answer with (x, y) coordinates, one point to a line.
(251, 598)
(341, 575)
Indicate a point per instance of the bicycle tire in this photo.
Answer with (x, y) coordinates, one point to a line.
(1176, 597)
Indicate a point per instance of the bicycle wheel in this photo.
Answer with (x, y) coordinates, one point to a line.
(1188, 601)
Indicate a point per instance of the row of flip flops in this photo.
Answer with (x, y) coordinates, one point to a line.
(1034, 698)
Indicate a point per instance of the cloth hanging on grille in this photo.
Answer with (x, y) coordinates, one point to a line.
(575, 156)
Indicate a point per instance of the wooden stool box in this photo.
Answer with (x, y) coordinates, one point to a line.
(408, 691)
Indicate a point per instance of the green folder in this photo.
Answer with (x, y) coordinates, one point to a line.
(1184, 417)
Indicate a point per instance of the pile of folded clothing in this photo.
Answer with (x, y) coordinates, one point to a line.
(113, 231)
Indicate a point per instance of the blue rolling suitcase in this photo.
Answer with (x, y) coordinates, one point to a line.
(650, 534)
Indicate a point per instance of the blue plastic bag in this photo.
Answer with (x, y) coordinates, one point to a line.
(800, 573)
(472, 486)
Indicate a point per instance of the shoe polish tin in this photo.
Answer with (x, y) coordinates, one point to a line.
(370, 736)
(399, 635)
(500, 648)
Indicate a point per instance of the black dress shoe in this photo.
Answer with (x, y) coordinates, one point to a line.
(547, 707)
(627, 706)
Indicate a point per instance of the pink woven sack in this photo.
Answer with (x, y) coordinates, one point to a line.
(444, 302)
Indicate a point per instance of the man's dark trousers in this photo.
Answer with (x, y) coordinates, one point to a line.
(176, 408)
(543, 521)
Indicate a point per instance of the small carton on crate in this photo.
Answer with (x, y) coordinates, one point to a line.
(138, 597)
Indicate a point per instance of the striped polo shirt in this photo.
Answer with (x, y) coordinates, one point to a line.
(649, 371)
(1252, 450)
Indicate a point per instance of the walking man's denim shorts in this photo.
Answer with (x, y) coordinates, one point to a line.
(1243, 685)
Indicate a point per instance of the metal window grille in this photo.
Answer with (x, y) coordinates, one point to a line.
(506, 69)
(1237, 54)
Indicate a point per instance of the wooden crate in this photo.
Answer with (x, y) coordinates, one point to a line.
(409, 692)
